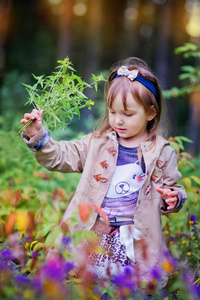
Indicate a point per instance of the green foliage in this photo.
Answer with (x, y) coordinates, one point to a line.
(12, 95)
(19, 169)
(60, 95)
(181, 230)
(190, 75)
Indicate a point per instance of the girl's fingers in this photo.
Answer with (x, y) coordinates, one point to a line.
(170, 206)
(28, 116)
(160, 191)
(23, 121)
(41, 112)
(171, 202)
(35, 114)
(172, 194)
(169, 196)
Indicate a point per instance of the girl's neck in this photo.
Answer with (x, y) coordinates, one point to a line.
(132, 142)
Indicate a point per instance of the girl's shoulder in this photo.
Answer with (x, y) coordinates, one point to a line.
(164, 147)
(97, 140)
(160, 146)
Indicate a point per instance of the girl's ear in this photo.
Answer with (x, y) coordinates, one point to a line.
(151, 113)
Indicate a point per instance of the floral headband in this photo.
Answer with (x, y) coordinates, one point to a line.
(133, 75)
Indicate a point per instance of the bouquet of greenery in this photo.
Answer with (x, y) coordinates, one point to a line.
(60, 95)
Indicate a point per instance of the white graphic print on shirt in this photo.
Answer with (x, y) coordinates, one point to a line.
(126, 180)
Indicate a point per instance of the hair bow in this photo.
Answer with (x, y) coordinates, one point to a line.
(123, 70)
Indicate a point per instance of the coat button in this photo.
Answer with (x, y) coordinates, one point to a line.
(99, 178)
(112, 151)
(104, 164)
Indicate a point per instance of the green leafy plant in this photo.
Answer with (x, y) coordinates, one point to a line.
(60, 95)
(190, 75)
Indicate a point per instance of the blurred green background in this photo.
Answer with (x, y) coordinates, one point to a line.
(34, 34)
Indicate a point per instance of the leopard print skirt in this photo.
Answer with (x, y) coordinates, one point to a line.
(111, 259)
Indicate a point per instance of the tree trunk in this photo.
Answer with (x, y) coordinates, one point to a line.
(64, 29)
(5, 7)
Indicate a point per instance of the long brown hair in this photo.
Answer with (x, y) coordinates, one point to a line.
(139, 92)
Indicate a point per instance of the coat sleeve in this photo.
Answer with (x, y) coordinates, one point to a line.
(63, 156)
(171, 176)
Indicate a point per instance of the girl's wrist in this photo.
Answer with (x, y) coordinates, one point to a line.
(31, 135)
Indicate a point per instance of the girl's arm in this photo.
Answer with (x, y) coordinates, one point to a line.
(63, 156)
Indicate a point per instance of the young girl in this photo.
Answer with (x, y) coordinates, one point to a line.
(127, 169)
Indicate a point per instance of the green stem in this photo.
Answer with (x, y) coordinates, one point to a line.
(24, 126)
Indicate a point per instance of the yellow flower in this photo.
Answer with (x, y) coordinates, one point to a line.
(26, 245)
(27, 294)
(126, 291)
(188, 253)
(52, 290)
(183, 242)
(167, 266)
(22, 221)
(99, 79)
(89, 107)
(92, 103)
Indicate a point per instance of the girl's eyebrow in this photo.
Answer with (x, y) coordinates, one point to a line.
(130, 110)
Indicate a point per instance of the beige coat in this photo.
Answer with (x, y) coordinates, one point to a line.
(96, 159)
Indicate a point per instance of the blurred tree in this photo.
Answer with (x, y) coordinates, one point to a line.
(170, 31)
(5, 7)
(65, 29)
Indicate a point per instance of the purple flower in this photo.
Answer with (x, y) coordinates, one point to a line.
(35, 254)
(195, 291)
(172, 239)
(53, 269)
(69, 265)
(66, 240)
(125, 280)
(22, 280)
(27, 239)
(156, 274)
(6, 254)
(193, 218)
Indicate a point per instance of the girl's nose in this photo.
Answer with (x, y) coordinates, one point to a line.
(119, 120)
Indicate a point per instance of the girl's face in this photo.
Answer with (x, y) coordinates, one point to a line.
(130, 124)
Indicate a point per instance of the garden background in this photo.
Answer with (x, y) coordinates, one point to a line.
(94, 34)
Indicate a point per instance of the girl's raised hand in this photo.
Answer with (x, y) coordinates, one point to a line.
(35, 126)
(170, 197)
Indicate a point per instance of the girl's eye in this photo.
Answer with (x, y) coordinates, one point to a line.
(128, 115)
(111, 112)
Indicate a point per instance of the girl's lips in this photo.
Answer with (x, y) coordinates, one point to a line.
(121, 130)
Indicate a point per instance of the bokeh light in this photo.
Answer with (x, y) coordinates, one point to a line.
(193, 26)
(80, 9)
(54, 2)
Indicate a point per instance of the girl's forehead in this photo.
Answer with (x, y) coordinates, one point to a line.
(127, 103)
(127, 90)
